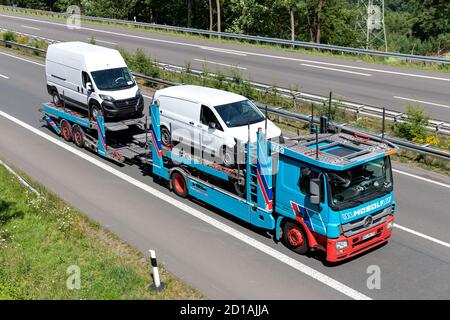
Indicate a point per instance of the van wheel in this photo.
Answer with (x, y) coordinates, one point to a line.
(96, 111)
(227, 157)
(78, 136)
(165, 137)
(66, 130)
(55, 98)
(179, 184)
(295, 237)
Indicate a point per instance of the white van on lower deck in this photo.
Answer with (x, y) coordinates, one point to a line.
(219, 117)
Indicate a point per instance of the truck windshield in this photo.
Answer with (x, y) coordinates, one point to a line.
(240, 113)
(113, 79)
(360, 184)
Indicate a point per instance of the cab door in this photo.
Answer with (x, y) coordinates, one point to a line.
(293, 195)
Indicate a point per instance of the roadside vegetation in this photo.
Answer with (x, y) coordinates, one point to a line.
(41, 237)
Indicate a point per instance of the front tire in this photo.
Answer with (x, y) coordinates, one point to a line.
(295, 237)
(96, 111)
(227, 157)
(179, 184)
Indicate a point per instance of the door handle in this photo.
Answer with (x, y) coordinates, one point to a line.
(191, 123)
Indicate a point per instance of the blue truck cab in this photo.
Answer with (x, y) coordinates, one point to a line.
(339, 189)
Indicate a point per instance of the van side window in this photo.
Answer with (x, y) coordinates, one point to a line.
(207, 116)
(85, 77)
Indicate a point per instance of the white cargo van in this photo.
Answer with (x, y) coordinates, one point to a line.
(93, 78)
(219, 117)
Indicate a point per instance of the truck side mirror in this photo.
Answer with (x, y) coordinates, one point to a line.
(89, 87)
(212, 125)
(314, 189)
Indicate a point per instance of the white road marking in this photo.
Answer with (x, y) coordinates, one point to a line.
(148, 97)
(377, 70)
(220, 64)
(236, 52)
(28, 27)
(421, 178)
(423, 102)
(326, 280)
(338, 70)
(3, 76)
(419, 234)
(107, 42)
(22, 59)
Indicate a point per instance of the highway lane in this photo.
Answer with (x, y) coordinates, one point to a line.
(362, 82)
(411, 267)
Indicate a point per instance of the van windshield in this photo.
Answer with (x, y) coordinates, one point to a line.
(113, 79)
(240, 113)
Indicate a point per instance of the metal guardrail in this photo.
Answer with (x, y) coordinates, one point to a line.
(423, 149)
(242, 37)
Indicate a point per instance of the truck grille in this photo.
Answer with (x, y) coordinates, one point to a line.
(357, 226)
(127, 103)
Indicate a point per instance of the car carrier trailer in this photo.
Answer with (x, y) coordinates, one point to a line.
(327, 192)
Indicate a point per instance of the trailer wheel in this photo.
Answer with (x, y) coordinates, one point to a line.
(66, 130)
(295, 237)
(78, 136)
(179, 184)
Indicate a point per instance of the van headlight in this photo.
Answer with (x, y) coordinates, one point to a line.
(106, 98)
(341, 245)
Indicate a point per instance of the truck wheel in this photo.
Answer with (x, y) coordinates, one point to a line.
(165, 137)
(66, 130)
(179, 184)
(55, 98)
(295, 237)
(78, 136)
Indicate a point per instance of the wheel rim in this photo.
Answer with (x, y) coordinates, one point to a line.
(56, 99)
(66, 131)
(165, 137)
(78, 138)
(295, 237)
(179, 183)
(227, 159)
(95, 112)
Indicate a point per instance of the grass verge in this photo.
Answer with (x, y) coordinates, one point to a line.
(41, 237)
(275, 47)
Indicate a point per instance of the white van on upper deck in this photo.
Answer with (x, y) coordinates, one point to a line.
(93, 78)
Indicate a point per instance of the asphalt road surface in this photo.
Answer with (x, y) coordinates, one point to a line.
(221, 257)
(372, 84)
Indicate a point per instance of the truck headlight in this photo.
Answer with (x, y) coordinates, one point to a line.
(390, 225)
(106, 98)
(341, 245)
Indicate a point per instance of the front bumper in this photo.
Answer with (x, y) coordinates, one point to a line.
(113, 110)
(356, 244)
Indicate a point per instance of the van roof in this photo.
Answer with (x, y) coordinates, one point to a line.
(204, 95)
(92, 57)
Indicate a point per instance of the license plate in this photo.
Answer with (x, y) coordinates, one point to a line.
(367, 236)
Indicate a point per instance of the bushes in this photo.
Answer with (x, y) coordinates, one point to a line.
(9, 36)
(415, 127)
